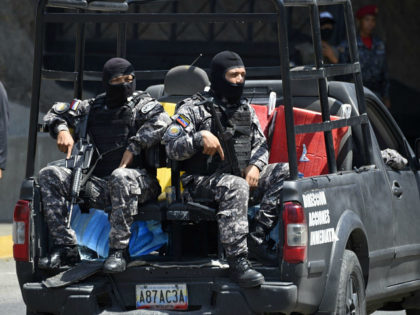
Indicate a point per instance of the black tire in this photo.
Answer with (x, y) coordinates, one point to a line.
(412, 312)
(351, 297)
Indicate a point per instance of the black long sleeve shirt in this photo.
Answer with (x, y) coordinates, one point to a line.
(4, 122)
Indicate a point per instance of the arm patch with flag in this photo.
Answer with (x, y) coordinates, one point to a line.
(75, 104)
(182, 120)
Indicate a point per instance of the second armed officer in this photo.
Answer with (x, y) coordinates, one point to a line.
(225, 171)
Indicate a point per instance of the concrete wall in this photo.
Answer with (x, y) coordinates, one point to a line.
(16, 158)
(398, 26)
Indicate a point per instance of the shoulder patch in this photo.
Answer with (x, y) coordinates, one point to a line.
(75, 104)
(148, 107)
(182, 120)
(61, 107)
(174, 131)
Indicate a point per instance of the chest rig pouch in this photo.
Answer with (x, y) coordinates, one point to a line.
(237, 123)
(110, 129)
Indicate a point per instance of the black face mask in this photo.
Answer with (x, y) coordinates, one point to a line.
(220, 64)
(116, 94)
(326, 34)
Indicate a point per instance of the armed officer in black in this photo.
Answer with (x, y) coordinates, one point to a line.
(191, 138)
(122, 124)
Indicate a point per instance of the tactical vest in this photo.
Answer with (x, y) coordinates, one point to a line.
(110, 129)
(237, 124)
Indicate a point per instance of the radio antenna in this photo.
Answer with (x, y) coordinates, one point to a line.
(196, 59)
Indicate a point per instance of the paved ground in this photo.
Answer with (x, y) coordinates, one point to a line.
(5, 229)
(6, 243)
(11, 302)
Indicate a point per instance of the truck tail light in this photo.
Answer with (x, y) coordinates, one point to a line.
(295, 233)
(21, 217)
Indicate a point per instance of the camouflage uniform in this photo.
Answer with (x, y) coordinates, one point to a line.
(55, 182)
(123, 190)
(373, 64)
(394, 159)
(229, 191)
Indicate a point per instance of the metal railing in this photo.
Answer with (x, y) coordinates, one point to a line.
(320, 72)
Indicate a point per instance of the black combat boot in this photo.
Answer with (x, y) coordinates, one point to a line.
(64, 255)
(242, 273)
(259, 248)
(116, 261)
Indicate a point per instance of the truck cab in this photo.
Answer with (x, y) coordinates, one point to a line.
(346, 239)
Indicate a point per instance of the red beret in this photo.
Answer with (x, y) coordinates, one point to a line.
(367, 10)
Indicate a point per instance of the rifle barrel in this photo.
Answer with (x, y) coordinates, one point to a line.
(225, 140)
(70, 212)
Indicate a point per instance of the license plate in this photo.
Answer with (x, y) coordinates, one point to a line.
(162, 296)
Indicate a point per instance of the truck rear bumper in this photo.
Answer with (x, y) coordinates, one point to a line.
(221, 298)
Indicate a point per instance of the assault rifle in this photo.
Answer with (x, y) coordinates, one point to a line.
(79, 162)
(225, 138)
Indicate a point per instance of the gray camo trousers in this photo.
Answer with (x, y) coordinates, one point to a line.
(122, 191)
(232, 195)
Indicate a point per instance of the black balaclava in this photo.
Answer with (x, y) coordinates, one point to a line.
(326, 34)
(116, 94)
(219, 65)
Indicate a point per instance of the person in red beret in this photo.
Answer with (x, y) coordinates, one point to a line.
(366, 18)
(372, 54)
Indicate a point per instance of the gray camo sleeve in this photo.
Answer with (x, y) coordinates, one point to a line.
(63, 115)
(182, 142)
(153, 124)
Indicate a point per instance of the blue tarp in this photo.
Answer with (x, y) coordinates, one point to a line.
(274, 234)
(92, 231)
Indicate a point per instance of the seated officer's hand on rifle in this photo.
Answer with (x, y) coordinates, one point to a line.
(251, 175)
(65, 142)
(127, 159)
(211, 144)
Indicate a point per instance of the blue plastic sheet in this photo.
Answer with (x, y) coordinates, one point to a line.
(92, 231)
(274, 234)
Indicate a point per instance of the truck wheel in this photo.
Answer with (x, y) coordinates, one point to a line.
(351, 298)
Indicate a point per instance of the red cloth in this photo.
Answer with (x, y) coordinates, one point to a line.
(367, 41)
(262, 111)
(367, 10)
(314, 162)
